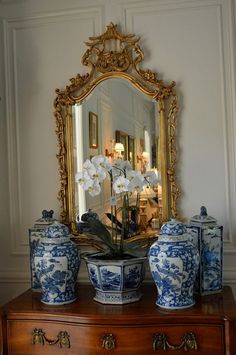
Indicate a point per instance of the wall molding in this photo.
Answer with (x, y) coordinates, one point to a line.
(19, 241)
(229, 276)
(14, 276)
(227, 39)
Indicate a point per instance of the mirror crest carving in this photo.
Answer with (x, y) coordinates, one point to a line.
(116, 55)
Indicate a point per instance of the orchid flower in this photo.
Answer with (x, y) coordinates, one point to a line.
(122, 176)
(98, 176)
(89, 167)
(132, 174)
(84, 179)
(123, 180)
(151, 178)
(101, 163)
(94, 190)
(121, 184)
(136, 184)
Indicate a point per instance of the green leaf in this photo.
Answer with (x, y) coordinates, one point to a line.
(103, 234)
(132, 246)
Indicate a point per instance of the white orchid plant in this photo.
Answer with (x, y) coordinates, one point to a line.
(124, 182)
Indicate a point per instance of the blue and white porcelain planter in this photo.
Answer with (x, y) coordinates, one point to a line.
(174, 263)
(57, 261)
(116, 281)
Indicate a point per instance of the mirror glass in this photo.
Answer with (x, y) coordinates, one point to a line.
(116, 112)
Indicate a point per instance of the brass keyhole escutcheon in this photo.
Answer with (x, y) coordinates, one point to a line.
(108, 342)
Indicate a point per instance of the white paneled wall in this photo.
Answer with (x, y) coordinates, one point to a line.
(41, 45)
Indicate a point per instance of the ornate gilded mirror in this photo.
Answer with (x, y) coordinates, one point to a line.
(93, 116)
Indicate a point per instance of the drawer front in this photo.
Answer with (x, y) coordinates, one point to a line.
(159, 340)
(41, 338)
(27, 337)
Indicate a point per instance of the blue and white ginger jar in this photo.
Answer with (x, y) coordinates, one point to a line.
(57, 261)
(207, 235)
(174, 262)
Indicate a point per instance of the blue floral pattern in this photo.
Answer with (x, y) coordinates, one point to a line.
(173, 228)
(132, 276)
(93, 274)
(57, 264)
(174, 264)
(209, 242)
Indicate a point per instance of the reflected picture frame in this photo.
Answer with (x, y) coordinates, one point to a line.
(122, 137)
(93, 130)
(131, 151)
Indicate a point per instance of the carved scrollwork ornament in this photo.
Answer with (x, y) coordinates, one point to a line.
(115, 55)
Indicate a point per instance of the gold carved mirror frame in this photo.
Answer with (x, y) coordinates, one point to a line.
(116, 55)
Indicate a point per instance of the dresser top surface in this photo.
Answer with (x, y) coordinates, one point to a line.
(210, 309)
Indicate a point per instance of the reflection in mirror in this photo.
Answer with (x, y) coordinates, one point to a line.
(118, 121)
(119, 110)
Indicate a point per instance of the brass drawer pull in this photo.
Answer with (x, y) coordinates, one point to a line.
(39, 337)
(108, 342)
(160, 342)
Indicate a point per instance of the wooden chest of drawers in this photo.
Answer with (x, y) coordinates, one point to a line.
(86, 327)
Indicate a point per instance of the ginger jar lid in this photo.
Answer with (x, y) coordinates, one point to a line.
(203, 218)
(45, 220)
(57, 230)
(173, 228)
